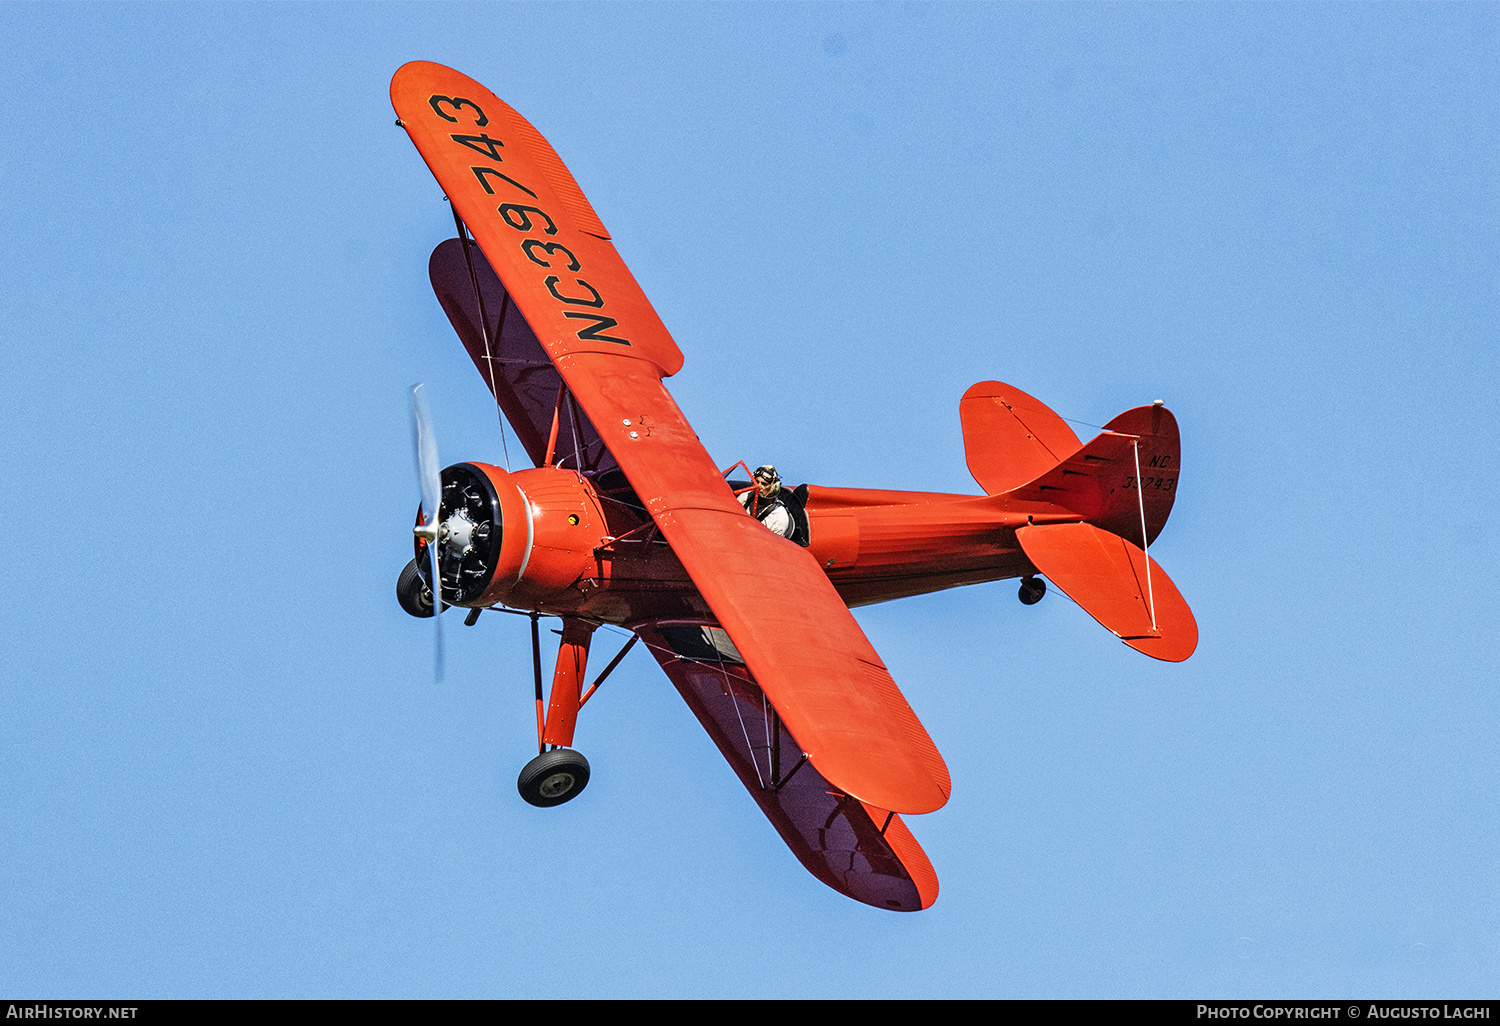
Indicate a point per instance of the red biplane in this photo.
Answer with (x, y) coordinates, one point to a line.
(625, 520)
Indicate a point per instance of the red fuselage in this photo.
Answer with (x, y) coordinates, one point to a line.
(566, 547)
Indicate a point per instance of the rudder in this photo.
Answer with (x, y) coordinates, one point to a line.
(1128, 472)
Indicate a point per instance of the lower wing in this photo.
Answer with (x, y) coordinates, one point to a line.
(512, 362)
(857, 849)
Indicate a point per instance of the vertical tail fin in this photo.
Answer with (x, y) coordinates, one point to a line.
(1129, 469)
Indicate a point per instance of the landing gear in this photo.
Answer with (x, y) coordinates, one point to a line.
(1032, 589)
(557, 776)
(412, 592)
(553, 778)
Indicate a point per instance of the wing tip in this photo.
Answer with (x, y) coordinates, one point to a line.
(915, 861)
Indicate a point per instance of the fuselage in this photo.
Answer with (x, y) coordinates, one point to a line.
(585, 547)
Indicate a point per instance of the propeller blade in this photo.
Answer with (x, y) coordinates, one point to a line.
(430, 480)
(424, 449)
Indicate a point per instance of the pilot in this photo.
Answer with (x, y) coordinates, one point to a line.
(769, 503)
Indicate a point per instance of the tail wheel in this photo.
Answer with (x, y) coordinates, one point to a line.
(553, 778)
(1032, 590)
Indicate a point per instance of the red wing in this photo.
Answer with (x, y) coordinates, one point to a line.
(803, 646)
(854, 848)
(530, 218)
(512, 362)
(589, 315)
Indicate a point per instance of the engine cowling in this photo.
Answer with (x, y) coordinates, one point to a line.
(523, 539)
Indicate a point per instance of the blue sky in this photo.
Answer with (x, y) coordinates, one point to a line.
(225, 768)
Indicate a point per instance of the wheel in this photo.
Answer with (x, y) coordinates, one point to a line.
(1032, 590)
(553, 778)
(412, 592)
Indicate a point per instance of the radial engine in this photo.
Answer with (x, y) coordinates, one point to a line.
(521, 539)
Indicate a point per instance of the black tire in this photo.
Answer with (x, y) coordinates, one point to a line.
(1032, 590)
(412, 592)
(553, 778)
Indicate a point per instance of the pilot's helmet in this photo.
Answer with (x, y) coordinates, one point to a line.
(768, 480)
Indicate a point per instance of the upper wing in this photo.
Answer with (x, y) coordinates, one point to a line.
(549, 248)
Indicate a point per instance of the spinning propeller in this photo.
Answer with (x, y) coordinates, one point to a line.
(429, 479)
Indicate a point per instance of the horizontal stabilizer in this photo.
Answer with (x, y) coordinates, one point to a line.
(1108, 577)
(1010, 437)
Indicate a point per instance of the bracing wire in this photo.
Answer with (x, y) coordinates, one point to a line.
(765, 715)
(1145, 543)
(749, 748)
(484, 325)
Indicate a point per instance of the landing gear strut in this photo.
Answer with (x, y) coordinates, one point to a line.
(557, 776)
(1032, 589)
